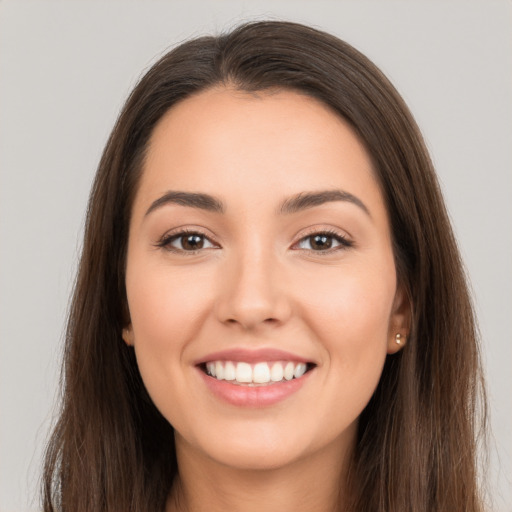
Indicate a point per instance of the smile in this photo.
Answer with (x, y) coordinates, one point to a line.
(254, 378)
(256, 374)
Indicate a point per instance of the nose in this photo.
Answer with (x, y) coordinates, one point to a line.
(252, 292)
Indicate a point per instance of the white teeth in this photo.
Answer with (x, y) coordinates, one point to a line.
(219, 370)
(243, 372)
(288, 371)
(229, 371)
(300, 370)
(259, 373)
(210, 368)
(277, 372)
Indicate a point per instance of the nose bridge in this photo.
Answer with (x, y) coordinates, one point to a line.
(251, 291)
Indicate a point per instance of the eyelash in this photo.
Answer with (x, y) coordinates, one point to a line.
(167, 239)
(344, 243)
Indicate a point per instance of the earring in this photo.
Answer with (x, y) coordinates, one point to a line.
(398, 339)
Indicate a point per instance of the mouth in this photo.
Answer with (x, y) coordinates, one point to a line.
(255, 378)
(255, 374)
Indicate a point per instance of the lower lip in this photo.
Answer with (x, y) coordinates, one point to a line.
(253, 396)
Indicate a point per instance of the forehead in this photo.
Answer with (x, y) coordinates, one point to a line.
(222, 116)
(265, 145)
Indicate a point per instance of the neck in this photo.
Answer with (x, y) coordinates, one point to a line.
(313, 483)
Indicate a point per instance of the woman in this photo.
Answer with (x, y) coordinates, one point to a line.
(270, 310)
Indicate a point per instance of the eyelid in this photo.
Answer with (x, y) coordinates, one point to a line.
(342, 238)
(176, 233)
(164, 242)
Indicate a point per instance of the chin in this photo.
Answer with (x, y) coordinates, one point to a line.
(256, 445)
(255, 457)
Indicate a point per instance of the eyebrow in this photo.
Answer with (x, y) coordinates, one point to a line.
(190, 199)
(294, 204)
(306, 200)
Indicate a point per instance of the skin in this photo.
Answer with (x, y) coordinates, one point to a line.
(258, 282)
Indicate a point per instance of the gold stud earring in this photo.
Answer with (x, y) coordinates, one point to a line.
(398, 339)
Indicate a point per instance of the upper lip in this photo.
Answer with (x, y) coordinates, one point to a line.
(252, 356)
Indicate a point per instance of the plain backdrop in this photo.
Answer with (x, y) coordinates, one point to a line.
(66, 68)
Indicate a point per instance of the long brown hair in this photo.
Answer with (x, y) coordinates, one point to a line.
(416, 450)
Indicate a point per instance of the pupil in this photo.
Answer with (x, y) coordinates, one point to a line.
(321, 242)
(193, 242)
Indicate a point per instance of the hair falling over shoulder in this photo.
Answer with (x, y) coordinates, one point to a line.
(418, 438)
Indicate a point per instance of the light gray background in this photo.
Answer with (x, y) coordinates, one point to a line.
(65, 69)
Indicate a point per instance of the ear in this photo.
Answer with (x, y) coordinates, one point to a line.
(127, 335)
(400, 321)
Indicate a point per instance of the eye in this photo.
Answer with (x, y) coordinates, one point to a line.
(186, 241)
(324, 241)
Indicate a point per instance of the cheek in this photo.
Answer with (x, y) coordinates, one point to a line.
(165, 306)
(352, 303)
(348, 314)
(166, 311)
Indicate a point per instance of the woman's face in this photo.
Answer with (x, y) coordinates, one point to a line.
(259, 248)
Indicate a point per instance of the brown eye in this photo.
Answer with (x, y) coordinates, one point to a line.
(192, 242)
(320, 242)
(186, 242)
